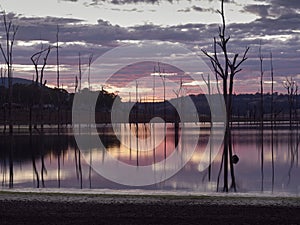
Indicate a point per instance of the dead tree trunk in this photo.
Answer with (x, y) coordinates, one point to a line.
(261, 117)
(292, 88)
(272, 120)
(89, 74)
(79, 68)
(40, 75)
(226, 69)
(57, 57)
(7, 53)
(57, 81)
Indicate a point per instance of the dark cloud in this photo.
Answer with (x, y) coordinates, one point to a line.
(197, 8)
(260, 10)
(200, 9)
(277, 34)
(227, 1)
(184, 10)
(123, 2)
(115, 9)
(274, 8)
(127, 10)
(105, 34)
(133, 10)
(285, 24)
(292, 4)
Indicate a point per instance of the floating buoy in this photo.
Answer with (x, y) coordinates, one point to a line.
(235, 159)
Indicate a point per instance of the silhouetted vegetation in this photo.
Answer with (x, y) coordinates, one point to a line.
(245, 107)
(26, 104)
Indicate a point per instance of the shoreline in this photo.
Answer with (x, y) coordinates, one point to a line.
(90, 208)
(20, 130)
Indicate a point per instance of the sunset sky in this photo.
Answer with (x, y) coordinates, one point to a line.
(96, 26)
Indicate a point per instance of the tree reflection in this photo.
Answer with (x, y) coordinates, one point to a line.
(33, 148)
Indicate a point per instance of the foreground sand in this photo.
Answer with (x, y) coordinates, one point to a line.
(54, 208)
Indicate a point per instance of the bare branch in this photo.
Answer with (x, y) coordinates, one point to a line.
(215, 63)
(35, 60)
(234, 68)
(44, 64)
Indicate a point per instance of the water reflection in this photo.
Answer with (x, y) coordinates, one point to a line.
(267, 162)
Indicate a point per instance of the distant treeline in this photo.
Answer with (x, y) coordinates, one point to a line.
(33, 104)
(26, 99)
(245, 106)
(25, 96)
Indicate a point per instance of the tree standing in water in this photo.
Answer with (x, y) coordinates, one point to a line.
(261, 60)
(292, 88)
(40, 83)
(10, 31)
(226, 68)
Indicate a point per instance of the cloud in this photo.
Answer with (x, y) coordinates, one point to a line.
(273, 8)
(123, 2)
(133, 10)
(278, 34)
(293, 4)
(107, 35)
(184, 10)
(200, 9)
(260, 10)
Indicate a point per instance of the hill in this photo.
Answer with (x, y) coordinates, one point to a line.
(15, 80)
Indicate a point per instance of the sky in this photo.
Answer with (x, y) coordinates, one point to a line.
(93, 27)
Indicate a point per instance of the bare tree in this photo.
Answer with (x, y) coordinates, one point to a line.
(76, 84)
(57, 80)
(89, 65)
(35, 58)
(208, 84)
(179, 94)
(7, 53)
(3, 74)
(261, 116)
(79, 70)
(226, 69)
(272, 89)
(292, 88)
(261, 58)
(272, 119)
(57, 56)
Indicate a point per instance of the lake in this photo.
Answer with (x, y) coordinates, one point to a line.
(267, 163)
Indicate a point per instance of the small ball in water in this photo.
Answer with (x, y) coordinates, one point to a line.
(235, 159)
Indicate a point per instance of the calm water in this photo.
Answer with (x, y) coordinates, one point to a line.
(53, 160)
